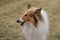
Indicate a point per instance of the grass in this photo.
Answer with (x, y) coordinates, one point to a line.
(10, 10)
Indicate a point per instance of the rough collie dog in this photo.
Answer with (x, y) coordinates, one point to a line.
(34, 24)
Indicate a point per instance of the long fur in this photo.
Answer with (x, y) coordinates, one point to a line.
(40, 33)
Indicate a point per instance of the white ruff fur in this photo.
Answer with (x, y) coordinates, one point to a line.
(37, 33)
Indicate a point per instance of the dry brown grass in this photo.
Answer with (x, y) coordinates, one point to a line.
(12, 9)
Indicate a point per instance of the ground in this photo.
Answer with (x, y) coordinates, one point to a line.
(10, 10)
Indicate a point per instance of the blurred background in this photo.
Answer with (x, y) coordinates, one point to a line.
(10, 10)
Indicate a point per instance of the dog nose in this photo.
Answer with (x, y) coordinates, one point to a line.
(18, 21)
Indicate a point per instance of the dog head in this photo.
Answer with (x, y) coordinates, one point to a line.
(31, 15)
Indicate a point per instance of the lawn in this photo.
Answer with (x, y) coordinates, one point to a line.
(10, 10)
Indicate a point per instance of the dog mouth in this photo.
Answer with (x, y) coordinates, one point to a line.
(22, 23)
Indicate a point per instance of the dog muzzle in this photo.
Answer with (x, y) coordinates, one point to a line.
(21, 21)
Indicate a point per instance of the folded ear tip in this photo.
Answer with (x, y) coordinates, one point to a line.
(40, 8)
(29, 6)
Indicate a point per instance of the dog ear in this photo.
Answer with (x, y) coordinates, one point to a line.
(38, 10)
(29, 6)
